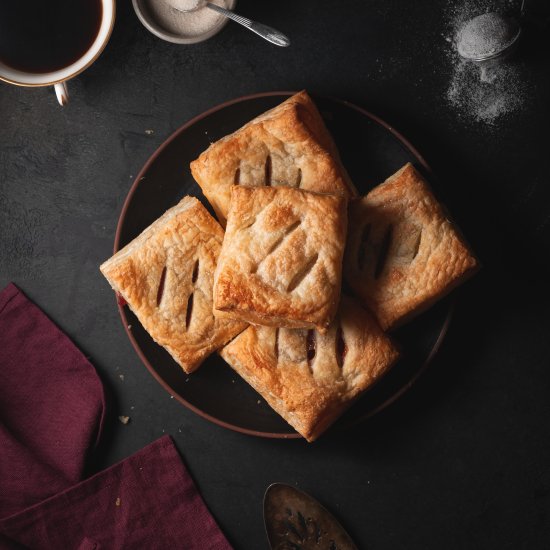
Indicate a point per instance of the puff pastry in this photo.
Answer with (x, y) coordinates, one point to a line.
(281, 259)
(403, 253)
(288, 145)
(166, 275)
(309, 378)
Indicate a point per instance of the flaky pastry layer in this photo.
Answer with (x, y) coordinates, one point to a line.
(309, 378)
(166, 275)
(288, 145)
(281, 258)
(403, 253)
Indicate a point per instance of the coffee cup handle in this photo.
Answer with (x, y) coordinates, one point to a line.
(62, 93)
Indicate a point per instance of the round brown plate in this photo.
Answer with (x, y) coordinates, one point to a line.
(371, 151)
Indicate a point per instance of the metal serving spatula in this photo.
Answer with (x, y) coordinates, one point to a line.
(296, 521)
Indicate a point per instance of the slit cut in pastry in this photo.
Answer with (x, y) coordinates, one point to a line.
(403, 253)
(281, 258)
(165, 275)
(288, 145)
(309, 378)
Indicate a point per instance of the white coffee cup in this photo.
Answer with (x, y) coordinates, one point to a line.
(58, 79)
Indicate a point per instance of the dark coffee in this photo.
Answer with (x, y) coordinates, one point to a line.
(40, 36)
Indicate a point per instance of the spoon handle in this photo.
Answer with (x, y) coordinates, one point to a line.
(270, 34)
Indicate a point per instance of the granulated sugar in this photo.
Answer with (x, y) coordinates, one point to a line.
(184, 5)
(192, 24)
(484, 93)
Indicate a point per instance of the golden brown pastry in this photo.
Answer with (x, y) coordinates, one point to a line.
(403, 253)
(288, 145)
(309, 378)
(281, 258)
(166, 274)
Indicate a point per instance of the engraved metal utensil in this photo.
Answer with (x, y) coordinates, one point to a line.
(268, 33)
(296, 521)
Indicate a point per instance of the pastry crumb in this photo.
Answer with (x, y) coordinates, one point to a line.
(124, 419)
(149, 132)
(129, 327)
(121, 376)
(117, 501)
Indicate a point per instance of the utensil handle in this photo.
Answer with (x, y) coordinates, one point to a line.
(270, 34)
(62, 93)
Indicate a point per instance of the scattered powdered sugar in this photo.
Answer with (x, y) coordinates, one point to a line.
(487, 92)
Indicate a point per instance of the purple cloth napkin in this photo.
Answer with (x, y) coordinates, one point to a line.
(51, 415)
(146, 501)
(51, 405)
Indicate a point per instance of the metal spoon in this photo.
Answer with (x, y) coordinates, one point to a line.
(488, 36)
(295, 520)
(268, 33)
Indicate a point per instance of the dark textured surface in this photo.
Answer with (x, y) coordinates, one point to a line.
(463, 461)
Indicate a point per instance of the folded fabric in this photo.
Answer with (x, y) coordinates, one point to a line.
(147, 501)
(52, 410)
(51, 405)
